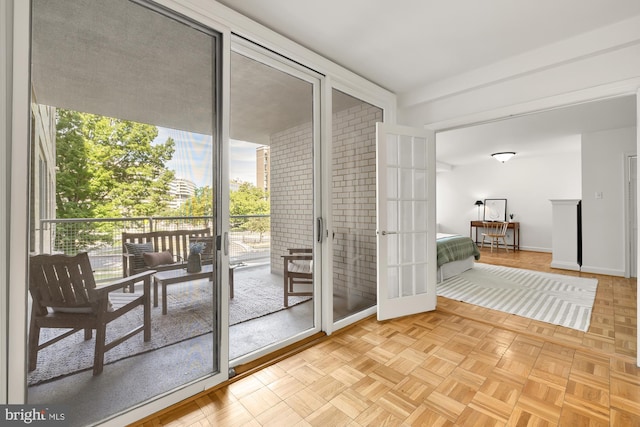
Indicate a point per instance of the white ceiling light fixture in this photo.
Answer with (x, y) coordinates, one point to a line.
(503, 156)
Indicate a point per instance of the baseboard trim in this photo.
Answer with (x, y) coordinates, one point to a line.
(563, 265)
(605, 271)
(534, 249)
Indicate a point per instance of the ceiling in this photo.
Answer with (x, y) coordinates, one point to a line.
(118, 67)
(120, 60)
(409, 44)
(532, 135)
(110, 58)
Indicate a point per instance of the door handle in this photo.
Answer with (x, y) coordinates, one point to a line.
(384, 233)
(320, 229)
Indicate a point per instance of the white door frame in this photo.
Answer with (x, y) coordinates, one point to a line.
(631, 264)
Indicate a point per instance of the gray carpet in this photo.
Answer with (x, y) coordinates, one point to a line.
(189, 315)
(551, 298)
(257, 293)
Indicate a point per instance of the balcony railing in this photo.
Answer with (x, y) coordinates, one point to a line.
(101, 238)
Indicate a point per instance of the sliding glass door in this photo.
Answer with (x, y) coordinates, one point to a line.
(353, 182)
(124, 141)
(273, 204)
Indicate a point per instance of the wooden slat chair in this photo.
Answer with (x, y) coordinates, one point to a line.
(297, 271)
(65, 295)
(494, 232)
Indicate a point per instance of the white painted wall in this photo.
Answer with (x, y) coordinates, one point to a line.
(603, 159)
(526, 182)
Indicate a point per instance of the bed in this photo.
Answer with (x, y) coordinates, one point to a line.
(456, 254)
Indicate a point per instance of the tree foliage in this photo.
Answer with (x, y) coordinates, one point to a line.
(199, 205)
(108, 167)
(250, 200)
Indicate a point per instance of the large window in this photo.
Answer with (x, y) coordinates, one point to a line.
(124, 139)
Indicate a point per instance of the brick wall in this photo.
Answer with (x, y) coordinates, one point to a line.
(291, 192)
(354, 201)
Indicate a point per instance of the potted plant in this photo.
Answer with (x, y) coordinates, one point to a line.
(194, 262)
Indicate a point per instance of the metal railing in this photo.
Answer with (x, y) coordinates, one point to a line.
(101, 238)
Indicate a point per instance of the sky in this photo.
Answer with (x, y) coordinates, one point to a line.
(192, 158)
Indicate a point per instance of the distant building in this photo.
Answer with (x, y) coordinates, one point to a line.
(234, 184)
(180, 191)
(263, 167)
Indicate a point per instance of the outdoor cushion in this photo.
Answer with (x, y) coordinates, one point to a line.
(152, 259)
(137, 249)
(300, 266)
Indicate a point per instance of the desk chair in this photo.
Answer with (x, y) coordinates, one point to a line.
(494, 232)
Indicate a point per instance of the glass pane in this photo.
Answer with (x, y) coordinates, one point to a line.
(354, 205)
(420, 212)
(421, 278)
(392, 183)
(392, 282)
(407, 280)
(272, 205)
(406, 183)
(392, 216)
(406, 249)
(420, 185)
(393, 254)
(406, 216)
(392, 143)
(135, 135)
(406, 153)
(420, 247)
(419, 153)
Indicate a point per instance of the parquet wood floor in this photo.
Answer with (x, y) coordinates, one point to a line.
(460, 365)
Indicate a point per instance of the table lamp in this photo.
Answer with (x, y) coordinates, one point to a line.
(478, 204)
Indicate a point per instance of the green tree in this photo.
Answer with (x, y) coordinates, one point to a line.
(107, 167)
(250, 200)
(200, 204)
(258, 225)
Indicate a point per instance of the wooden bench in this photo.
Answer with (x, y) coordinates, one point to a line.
(174, 241)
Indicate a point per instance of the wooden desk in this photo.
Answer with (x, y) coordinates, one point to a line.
(515, 226)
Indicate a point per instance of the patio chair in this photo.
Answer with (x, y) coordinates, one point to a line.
(65, 295)
(297, 271)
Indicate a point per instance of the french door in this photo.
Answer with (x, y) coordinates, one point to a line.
(406, 221)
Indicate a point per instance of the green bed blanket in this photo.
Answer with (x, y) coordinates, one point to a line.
(455, 248)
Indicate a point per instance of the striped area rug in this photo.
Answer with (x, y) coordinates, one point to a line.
(552, 298)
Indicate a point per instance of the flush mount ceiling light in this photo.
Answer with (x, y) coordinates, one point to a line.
(503, 156)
